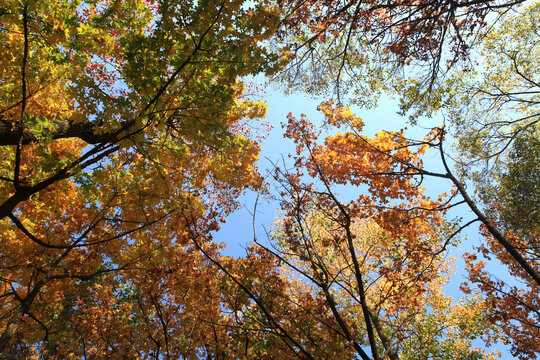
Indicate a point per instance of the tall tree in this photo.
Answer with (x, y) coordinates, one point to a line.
(494, 115)
(378, 260)
(123, 144)
(489, 102)
(354, 49)
(118, 120)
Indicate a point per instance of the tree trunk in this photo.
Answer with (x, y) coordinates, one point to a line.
(10, 132)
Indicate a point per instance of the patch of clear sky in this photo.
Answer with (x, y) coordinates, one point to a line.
(238, 231)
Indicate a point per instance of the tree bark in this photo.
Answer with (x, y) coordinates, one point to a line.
(11, 329)
(11, 131)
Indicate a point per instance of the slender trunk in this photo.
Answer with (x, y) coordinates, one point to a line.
(11, 329)
(499, 237)
(392, 354)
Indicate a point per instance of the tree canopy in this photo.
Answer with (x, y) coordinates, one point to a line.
(128, 133)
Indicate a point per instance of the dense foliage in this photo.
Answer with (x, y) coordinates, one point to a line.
(128, 133)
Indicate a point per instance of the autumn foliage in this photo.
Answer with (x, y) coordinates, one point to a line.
(378, 260)
(110, 156)
(128, 134)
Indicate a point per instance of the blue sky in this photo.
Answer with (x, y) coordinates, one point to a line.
(275, 149)
(238, 230)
